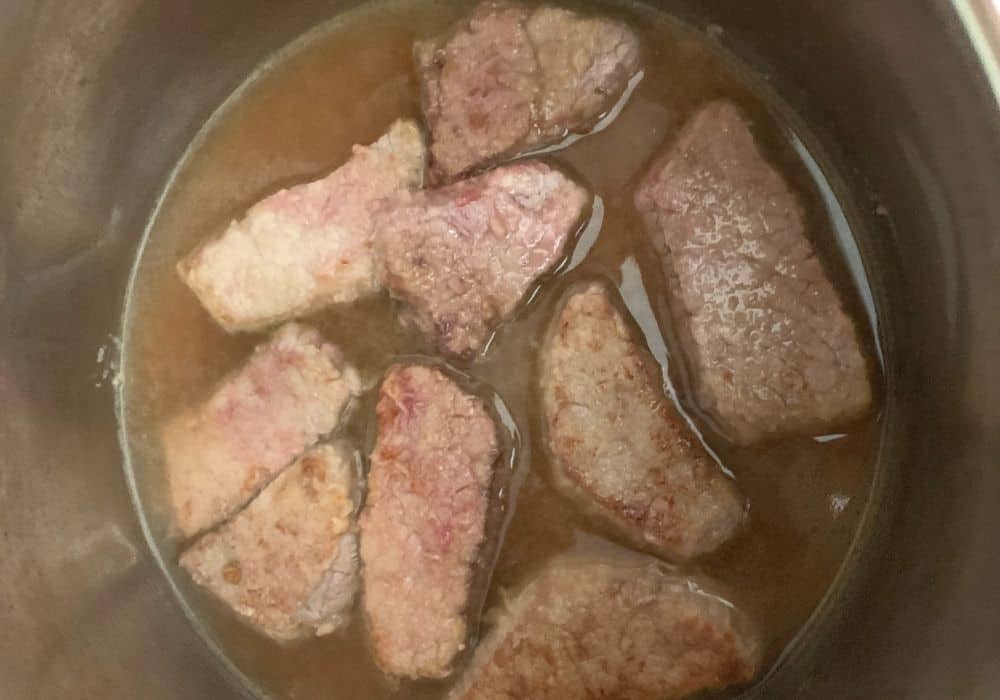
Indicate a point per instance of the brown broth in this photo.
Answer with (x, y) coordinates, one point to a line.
(296, 119)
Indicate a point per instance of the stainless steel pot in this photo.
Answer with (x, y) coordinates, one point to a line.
(98, 98)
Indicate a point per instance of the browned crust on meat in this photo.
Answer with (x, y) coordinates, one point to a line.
(550, 72)
(769, 347)
(618, 445)
(424, 523)
(615, 628)
(287, 563)
(463, 257)
(219, 454)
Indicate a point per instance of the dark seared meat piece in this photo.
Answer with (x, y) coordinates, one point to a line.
(618, 444)
(461, 257)
(611, 629)
(511, 79)
(768, 345)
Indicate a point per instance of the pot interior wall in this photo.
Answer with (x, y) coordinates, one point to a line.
(101, 98)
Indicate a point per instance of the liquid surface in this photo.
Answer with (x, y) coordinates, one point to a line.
(295, 121)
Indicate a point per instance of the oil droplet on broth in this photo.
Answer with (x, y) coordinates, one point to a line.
(298, 120)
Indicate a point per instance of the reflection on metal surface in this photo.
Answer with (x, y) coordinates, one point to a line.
(981, 19)
(96, 558)
(63, 90)
(109, 363)
(829, 438)
(839, 503)
(589, 234)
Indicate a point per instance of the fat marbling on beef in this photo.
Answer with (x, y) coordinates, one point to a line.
(769, 347)
(290, 392)
(461, 257)
(288, 562)
(513, 78)
(423, 527)
(308, 246)
(593, 628)
(618, 444)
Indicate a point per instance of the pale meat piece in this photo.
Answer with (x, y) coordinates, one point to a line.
(288, 562)
(511, 78)
(585, 66)
(626, 630)
(769, 347)
(618, 444)
(290, 392)
(306, 247)
(424, 523)
(461, 257)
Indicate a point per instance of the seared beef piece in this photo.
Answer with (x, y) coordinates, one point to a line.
(305, 247)
(218, 455)
(618, 444)
(424, 521)
(511, 79)
(768, 345)
(611, 629)
(461, 257)
(288, 562)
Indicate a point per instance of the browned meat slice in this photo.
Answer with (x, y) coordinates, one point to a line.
(461, 257)
(218, 455)
(424, 522)
(618, 443)
(288, 562)
(611, 629)
(769, 347)
(306, 247)
(511, 79)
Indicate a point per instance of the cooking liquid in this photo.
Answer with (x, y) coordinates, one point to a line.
(296, 120)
